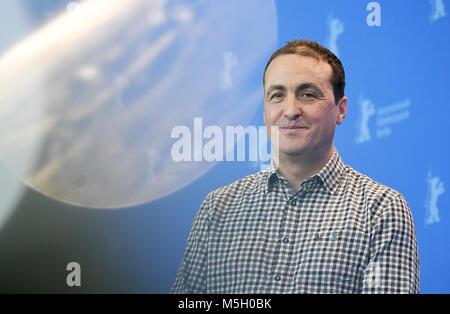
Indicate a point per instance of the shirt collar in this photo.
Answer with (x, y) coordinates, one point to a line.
(328, 175)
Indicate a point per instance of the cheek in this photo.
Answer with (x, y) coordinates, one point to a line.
(314, 116)
(270, 116)
(322, 122)
(328, 123)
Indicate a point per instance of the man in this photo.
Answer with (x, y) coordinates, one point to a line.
(308, 223)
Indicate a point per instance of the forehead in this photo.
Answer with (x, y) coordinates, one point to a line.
(293, 69)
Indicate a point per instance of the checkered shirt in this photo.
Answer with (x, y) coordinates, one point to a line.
(341, 233)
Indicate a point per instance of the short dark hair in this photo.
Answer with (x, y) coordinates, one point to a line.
(313, 49)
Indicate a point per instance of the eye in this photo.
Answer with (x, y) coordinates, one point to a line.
(308, 96)
(276, 97)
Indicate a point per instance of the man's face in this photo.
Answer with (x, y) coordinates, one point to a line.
(299, 99)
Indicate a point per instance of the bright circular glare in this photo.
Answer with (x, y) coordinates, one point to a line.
(89, 100)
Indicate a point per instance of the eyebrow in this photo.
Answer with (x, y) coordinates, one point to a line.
(299, 88)
(310, 86)
(275, 87)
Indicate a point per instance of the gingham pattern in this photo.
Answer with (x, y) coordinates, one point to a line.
(341, 233)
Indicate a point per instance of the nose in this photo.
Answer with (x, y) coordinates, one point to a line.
(292, 110)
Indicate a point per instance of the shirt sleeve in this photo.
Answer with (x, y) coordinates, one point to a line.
(191, 276)
(394, 262)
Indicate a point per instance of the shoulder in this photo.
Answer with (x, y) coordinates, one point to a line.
(235, 192)
(380, 198)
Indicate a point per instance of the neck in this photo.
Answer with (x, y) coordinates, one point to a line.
(297, 168)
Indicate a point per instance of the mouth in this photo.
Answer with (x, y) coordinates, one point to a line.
(292, 127)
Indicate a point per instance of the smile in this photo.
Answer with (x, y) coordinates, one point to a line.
(293, 128)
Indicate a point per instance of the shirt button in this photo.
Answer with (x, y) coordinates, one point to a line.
(293, 203)
(285, 240)
(277, 277)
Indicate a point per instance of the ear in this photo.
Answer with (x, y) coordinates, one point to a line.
(342, 110)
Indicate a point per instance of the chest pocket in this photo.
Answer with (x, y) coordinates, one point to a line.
(332, 262)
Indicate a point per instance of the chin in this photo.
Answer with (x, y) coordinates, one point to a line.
(292, 151)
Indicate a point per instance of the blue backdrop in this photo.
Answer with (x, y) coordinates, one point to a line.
(127, 232)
